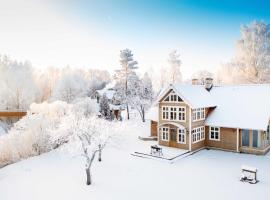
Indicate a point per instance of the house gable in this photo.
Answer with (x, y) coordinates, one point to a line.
(171, 96)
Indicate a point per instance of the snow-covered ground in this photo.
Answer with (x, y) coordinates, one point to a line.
(208, 174)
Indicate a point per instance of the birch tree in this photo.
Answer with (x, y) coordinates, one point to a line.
(174, 69)
(251, 63)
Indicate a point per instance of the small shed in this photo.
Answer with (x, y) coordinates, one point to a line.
(152, 116)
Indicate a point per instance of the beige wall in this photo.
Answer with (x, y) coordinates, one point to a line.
(228, 139)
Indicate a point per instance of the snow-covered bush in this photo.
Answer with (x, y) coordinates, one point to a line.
(30, 135)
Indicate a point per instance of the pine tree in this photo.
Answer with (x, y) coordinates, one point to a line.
(124, 75)
(105, 107)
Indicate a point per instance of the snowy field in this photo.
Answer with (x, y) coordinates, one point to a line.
(208, 174)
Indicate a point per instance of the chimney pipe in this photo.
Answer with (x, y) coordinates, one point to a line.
(208, 84)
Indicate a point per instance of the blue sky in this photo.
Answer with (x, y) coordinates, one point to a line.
(91, 33)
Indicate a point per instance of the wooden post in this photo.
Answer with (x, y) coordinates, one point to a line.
(190, 127)
(237, 140)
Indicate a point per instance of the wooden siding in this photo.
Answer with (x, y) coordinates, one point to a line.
(171, 143)
(12, 114)
(161, 121)
(228, 139)
(154, 128)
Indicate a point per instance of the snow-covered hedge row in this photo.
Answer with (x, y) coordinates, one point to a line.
(31, 135)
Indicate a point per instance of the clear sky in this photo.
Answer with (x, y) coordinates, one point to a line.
(90, 33)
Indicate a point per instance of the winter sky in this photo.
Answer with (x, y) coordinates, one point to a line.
(91, 33)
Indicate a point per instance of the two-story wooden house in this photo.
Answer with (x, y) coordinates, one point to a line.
(234, 118)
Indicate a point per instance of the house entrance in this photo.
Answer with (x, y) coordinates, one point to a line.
(173, 137)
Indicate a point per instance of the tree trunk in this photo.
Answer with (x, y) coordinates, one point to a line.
(88, 176)
(99, 153)
(143, 114)
(127, 112)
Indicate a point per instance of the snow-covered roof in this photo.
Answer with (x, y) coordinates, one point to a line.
(243, 106)
(152, 113)
(108, 92)
(116, 107)
(196, 96)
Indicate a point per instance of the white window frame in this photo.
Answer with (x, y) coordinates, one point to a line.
(198, 134)
(198, 114)
(215, 132)
(183, 133)
(177, 110)
(172, 96)
(166, 110)
(165, 130)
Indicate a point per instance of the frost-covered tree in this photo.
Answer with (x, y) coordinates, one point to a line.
(202, 75)
(70, 86)
(174, 69)
(105, 107)
(124, 75)
(18, 87)
(251, 63)
(89, 135)
(142, 94)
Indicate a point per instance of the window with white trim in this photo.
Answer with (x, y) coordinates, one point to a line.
(172, 97)
(181, 113)
(165, 133)
(165, 112)
(181, 136)
(198, 114)
(198, 134)
(174, 113)
(214, 133)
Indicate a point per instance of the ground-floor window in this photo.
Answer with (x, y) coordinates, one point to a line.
(198, 134)
(245, 137)
(268, 133)
(165, 133)
(181, 135)
(214, 133)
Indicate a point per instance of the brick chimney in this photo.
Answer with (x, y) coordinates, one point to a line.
(195, 81)
(208, 83)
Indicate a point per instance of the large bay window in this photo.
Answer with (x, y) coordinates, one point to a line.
(198, 114)
(165, 133)
(174, 113)
(181, 136)
(214, 133)
(198, 134)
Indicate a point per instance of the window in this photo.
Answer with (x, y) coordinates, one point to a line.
(268, 133)
(165, 133)
(214, 133)
(198, 114)
(182, 114)
(165, 112)
(182, 136)
(174, 113)
(172, 97)
(198, 134)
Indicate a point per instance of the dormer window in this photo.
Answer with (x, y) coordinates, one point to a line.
(172, 97)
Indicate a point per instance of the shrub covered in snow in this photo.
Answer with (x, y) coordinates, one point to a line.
(30, 135)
